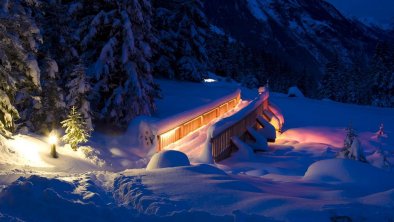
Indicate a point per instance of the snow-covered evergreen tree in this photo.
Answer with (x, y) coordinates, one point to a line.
(19, 71)
(53, 105)
(8, 113)
(356, 152)
(78, 91)
(165, 58)
(76, 129)
(351, 147)
(182, 28)
(115, 38)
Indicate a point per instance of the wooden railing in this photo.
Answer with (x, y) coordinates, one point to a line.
(195, 120)
(236, 125)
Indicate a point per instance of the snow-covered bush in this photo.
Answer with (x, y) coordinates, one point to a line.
(168, 158)
(380, 159)
(147, 138)
(294, 91)
(92, 155)
(352, 148)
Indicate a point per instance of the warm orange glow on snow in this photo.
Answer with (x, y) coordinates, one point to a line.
(275, 122)
(331, 137)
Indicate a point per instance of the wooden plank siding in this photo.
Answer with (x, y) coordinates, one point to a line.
(221, 144)
(195, 122)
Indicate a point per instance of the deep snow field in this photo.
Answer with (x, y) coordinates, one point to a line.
(298, 179)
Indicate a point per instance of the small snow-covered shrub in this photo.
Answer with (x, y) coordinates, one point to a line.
(380, 159)
(294, 91)
(92, 155)
(146, 136)
(352, 148)
(168, 158)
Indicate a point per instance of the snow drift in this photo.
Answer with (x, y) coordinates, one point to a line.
(168, 158)
(349, 172)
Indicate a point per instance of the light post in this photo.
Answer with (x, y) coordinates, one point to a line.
(52, 139)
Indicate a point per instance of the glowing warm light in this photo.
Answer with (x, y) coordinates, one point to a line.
(210, 80)
(317, 135)
(52, 139)
(168, 134)
(28, 151)
(274, 121)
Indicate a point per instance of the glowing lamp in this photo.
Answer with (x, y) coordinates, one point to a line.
(52, 140)
(210, 80)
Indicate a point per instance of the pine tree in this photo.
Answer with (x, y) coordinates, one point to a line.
(7, 114)
(347, 143)
(114, 42)
(351, 147)
(182, 28)
(19, 71)
(192, 31)
(78, 91)
(164, 58)
(76, 129)
(53, 104)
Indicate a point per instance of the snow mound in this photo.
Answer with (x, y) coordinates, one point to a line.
(295, 92)
(168, 158)
(385, 198)
(349, 171)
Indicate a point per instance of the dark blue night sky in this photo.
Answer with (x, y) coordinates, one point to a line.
(380, 10)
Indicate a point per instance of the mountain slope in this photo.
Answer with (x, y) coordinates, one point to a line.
(304, 33)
